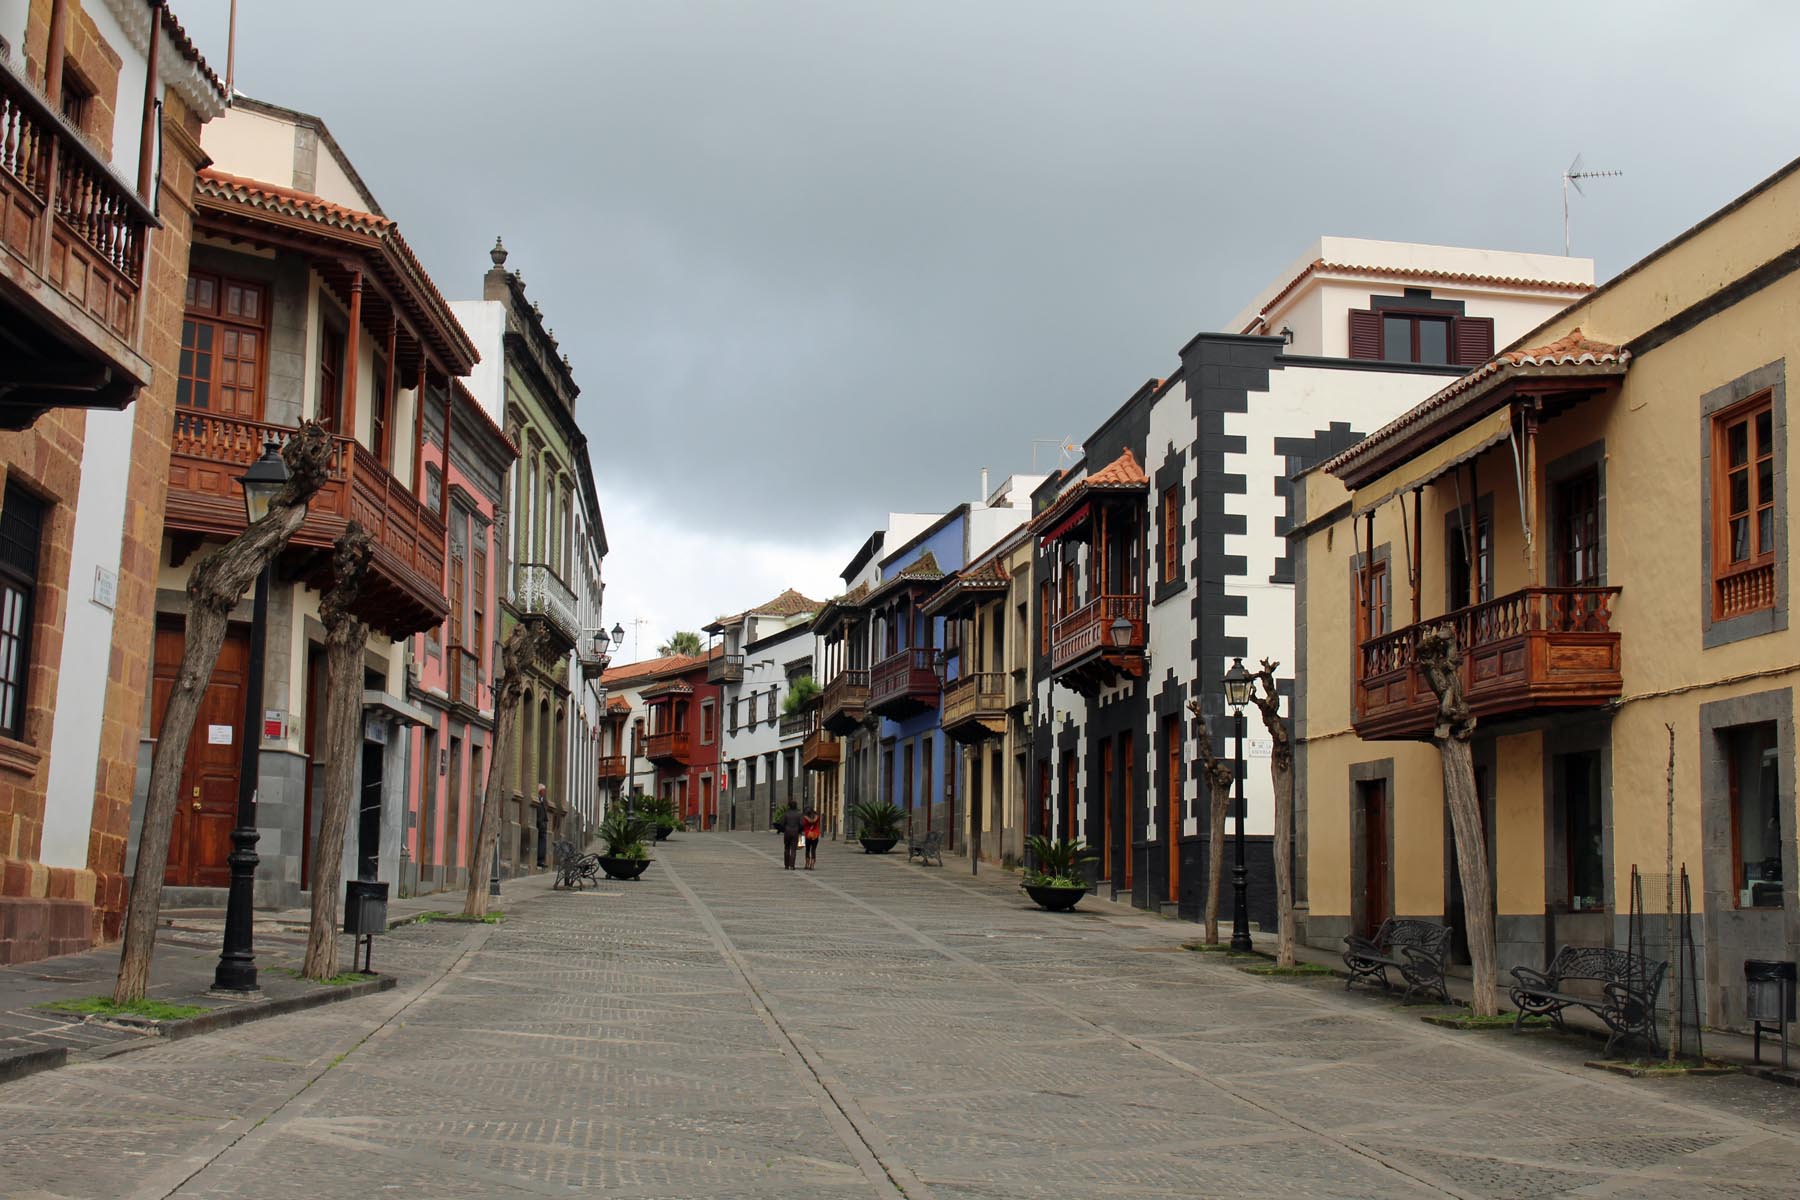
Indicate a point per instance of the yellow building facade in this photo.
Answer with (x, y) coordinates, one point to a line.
(1600, 513)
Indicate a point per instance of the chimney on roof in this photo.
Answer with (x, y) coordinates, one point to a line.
(984, 486)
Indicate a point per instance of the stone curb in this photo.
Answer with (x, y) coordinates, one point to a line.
(30, 1062)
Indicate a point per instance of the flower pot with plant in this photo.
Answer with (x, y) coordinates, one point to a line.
(1055, 880)
(623, 833)
(662, 815)
(877, 825)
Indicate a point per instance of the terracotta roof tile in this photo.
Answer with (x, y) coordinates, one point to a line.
(1573, 349)
(651, 668)
(185, 45)
(1122, 474)
(1318, 265)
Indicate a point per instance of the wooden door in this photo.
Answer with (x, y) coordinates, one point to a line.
(1106, 807)
(1371, 796)
(200, 840)
(1126, 784)
(1172, 750)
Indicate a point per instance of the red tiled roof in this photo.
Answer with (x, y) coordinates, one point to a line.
(651, 668)
(269, 197)
(789, 604)
(1452, 277)
(1573, 349)
(618, 704)
(1122, 474)
(184, 44)
(986, 577)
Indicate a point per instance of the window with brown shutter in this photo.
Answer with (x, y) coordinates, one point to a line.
(1171, 533)
(21, 532)
(1743, 506)
(478, 592)
(222, 336)
(1371, 602)
(1426, 337)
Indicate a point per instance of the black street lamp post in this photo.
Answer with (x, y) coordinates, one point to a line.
(1237, 694)
(236, 972)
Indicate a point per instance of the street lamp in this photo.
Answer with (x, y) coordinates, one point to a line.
(1121, 631)
(1237, 694)
(236, 972)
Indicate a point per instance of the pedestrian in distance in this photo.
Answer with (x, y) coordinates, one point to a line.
(809, 829)
(790, 834)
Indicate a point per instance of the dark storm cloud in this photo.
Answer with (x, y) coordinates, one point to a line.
(813, 261)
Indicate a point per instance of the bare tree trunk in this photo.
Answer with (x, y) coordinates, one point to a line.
(1281, 771)
(1441, 660)
(345, 637)
(520, 649)
(1218, 776)
(217, 583)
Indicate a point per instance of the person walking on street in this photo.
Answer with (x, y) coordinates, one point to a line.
(809, 829)
(790, 834)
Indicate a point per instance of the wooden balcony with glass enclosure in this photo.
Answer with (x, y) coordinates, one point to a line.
(975, 706)
(611, 768)
(904, 683)
(845, 700)
(820, 751)
(1092, 539)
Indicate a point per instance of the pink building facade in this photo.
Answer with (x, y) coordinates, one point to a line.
(453, 665)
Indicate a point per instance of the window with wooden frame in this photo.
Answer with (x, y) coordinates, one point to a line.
(734, 715)
(1171, 534)
(1743, 507)
(1046, 614)
(1753, 775)
(459, 587)
(379, 413)
(1372, 601)
(478, 585)
(1425, 336)
(1578, 530)
(1457, 561)
(223, 340)
(707, 727)
(77, 99)
(329, 409)
(21, 533)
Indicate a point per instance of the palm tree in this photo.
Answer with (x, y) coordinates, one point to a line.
(686, 643)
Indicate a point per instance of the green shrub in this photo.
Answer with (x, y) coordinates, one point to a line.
(877, 819)
(801, 694)
(624, 833)
(1057, 862)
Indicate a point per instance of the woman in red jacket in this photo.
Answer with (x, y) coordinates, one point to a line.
(809, 829)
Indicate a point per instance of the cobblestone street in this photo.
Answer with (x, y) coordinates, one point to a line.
(724, 1028)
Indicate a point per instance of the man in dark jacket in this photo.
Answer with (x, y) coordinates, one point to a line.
(790, 834)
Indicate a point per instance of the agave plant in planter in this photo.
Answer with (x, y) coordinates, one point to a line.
(624, 836)
(1054, 882)
(661, 814)
(877, 825)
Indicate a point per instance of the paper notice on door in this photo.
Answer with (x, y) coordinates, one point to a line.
(218, 735)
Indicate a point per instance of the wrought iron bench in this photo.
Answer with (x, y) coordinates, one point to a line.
(1617, 986)
(1416, 949)
(926, 848)
(575, 870)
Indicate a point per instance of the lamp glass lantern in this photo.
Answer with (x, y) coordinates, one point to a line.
(263, 481)
(1121, 631)
(618, 634)
(1237, 685)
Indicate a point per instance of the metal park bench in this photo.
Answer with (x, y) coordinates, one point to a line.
(1617, 986)
(575, 870)
(1416, 949)
(926, 848)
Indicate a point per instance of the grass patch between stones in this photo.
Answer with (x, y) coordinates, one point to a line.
(1469, 1020)
(341, 979)
(492, 917)
(102, 1006)
(1299, 969)
(1643, 1068)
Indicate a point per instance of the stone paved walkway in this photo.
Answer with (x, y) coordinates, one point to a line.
(724, 1028)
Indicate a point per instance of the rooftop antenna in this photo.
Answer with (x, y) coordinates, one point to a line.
(1574, 175)
(1065, 449)
(637, 633)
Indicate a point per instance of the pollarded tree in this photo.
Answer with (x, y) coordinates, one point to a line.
(214, 588)
(1218, 775)
(345, 637)
(520, 650)
(1281, 773)
(1441, 660)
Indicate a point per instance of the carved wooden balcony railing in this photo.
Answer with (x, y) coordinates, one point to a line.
(1744, 590)
(845, 700)
(612, 767)
(1086, 652)
(904, 683)
(542, 593)
(1535, 649)
(72, 232)
(975, 706)
(671, 747)
(726, 668)
(464, 669)
(405, 594)
(796, 725)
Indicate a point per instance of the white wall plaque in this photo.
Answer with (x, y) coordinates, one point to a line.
(106, 587)
(218, 735)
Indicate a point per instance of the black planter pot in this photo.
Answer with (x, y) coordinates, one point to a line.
(623, 868)
(872, 845)
(1054, 899)
(663, 832)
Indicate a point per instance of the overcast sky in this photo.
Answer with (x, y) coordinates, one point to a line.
(816, 261)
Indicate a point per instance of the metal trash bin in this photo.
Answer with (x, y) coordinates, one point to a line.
(1769, 1001)
(365, 915)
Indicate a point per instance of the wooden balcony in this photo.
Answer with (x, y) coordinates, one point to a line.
(904, 684)
(612, 767)
(668, 749)
(404, 594)
(821, 751)
(464, 669)
(845, 700)
(1535, 650)
(1087, 653)
(72, 238)
(975, 706)
(796, 725)
(726, 668)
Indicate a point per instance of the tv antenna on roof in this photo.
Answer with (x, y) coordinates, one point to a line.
(1065, 450)
(1574, 175)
